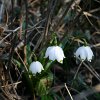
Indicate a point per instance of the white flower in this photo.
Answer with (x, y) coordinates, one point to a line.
(36, 67)
(55, 53)
(84, 52)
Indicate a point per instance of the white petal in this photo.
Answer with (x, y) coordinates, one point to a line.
(58, 55)
(33, 68)
(81, 52)
(77, 53)
(40, 65)
(47, 52)
(89, 53)
(60, 51)
(52, 54)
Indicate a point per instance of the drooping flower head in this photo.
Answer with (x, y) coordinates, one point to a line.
(84, 52)
(36, 67)
(55, 53)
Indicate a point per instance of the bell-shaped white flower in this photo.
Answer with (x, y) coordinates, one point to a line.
(84, 52)
(55, 53)
(36, 67)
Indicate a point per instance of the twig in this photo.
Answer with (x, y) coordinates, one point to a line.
(90, 70)
(68, 92)
(93, 70)
(47, 23)
(72, 23)
(22, 61)
(26, 26)
(65, 12)
(78, 69)
(12, 52)
(94, 10)
(90, 22)
(82, 95)
(95, 45)
(62, 95)
(97, 1)
(91, 15)
(26, 19)
(20, 44)
(12, 31)
(44, 35)
(4, 93)
(13, 85)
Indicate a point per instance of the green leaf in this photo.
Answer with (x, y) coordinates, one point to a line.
(28, 82)
(63, 42)
(47, 66)
(42, 55)
(44, 84)
(28, 53)
(56, 96)
(17, 62)
(46, 97)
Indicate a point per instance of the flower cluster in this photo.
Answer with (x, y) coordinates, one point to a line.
(56, 53)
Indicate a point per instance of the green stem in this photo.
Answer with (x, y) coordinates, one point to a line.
(85, 43)
(55, 41)
(35, 58)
